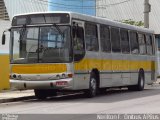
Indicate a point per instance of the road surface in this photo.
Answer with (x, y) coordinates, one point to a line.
(113, 101)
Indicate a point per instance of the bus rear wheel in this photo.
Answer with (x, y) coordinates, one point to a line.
(140, 84)
(92, 91)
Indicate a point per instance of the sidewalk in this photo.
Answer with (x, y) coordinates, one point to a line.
(13, 96)
(157, 82)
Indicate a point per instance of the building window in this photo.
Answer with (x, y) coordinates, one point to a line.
(134, 43)
(125, 41)
(91, 37)
(105, 38)
(115, 39)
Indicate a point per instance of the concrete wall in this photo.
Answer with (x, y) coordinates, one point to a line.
(4, 25)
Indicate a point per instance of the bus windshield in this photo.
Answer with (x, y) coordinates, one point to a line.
(47, 44)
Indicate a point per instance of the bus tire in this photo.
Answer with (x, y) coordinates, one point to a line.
(140, 84)
(40, 94)
(92, 91)
(51, 92)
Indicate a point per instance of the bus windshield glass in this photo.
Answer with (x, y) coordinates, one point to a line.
(48, 44)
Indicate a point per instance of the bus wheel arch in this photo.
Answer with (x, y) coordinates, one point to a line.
(141, 81)
(93, 84)
(97, 75)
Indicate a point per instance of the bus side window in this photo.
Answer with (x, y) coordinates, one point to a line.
(134, 43)
(125, 41)
(149, 44)
(115, 39)
(142, 44)
(78, 38)
(78, 42)
(105, 38)
(91, 37)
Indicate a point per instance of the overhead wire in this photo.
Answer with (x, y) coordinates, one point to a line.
(79, 6)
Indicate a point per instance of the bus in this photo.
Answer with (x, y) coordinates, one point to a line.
(53, 52)
(157, 39)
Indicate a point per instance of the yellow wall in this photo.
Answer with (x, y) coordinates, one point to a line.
(4, 72)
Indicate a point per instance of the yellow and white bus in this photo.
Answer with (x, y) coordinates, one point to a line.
(157, 39)
(60, 51)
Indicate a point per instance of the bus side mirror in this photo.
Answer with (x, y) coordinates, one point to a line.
(3, 39)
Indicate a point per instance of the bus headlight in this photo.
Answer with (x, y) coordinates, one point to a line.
(63, 76)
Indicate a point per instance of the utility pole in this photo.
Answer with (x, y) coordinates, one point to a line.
(147, 9)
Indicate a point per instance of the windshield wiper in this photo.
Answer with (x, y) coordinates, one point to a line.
(59, 30)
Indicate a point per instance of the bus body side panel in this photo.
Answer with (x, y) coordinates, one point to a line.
(117, 69)
(126, 72)
(106, 70)
(81, 75)
(134, 69)
(145, 63)
(4, 71)
(83, 69)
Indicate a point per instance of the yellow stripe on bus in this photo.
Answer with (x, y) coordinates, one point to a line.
(114, 65)
(39, 68)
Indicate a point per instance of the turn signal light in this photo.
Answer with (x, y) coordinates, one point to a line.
(70, 75)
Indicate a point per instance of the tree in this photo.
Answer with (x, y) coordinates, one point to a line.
(132, 22)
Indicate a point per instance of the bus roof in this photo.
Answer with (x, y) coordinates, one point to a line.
(94, 19)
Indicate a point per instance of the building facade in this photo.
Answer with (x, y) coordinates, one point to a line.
(3, 11)
(9, 8)
(80, 6)
(14, 7)
(129, 9)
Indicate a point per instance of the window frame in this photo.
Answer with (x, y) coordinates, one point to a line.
(132, 31)
(108, 39)
(120, 50)
(142, 44)
(97, 37)
(128, 37)
(151, 44)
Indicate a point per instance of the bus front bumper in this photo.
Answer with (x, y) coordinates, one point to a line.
(45, 84)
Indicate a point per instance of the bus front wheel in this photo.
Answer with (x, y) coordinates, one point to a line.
(40, 94)
(92, 91)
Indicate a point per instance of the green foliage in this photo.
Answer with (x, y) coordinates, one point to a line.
(132, 22)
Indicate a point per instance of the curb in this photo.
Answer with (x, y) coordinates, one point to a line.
(16, 99)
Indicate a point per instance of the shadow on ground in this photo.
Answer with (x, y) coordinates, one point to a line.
(109, 96)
